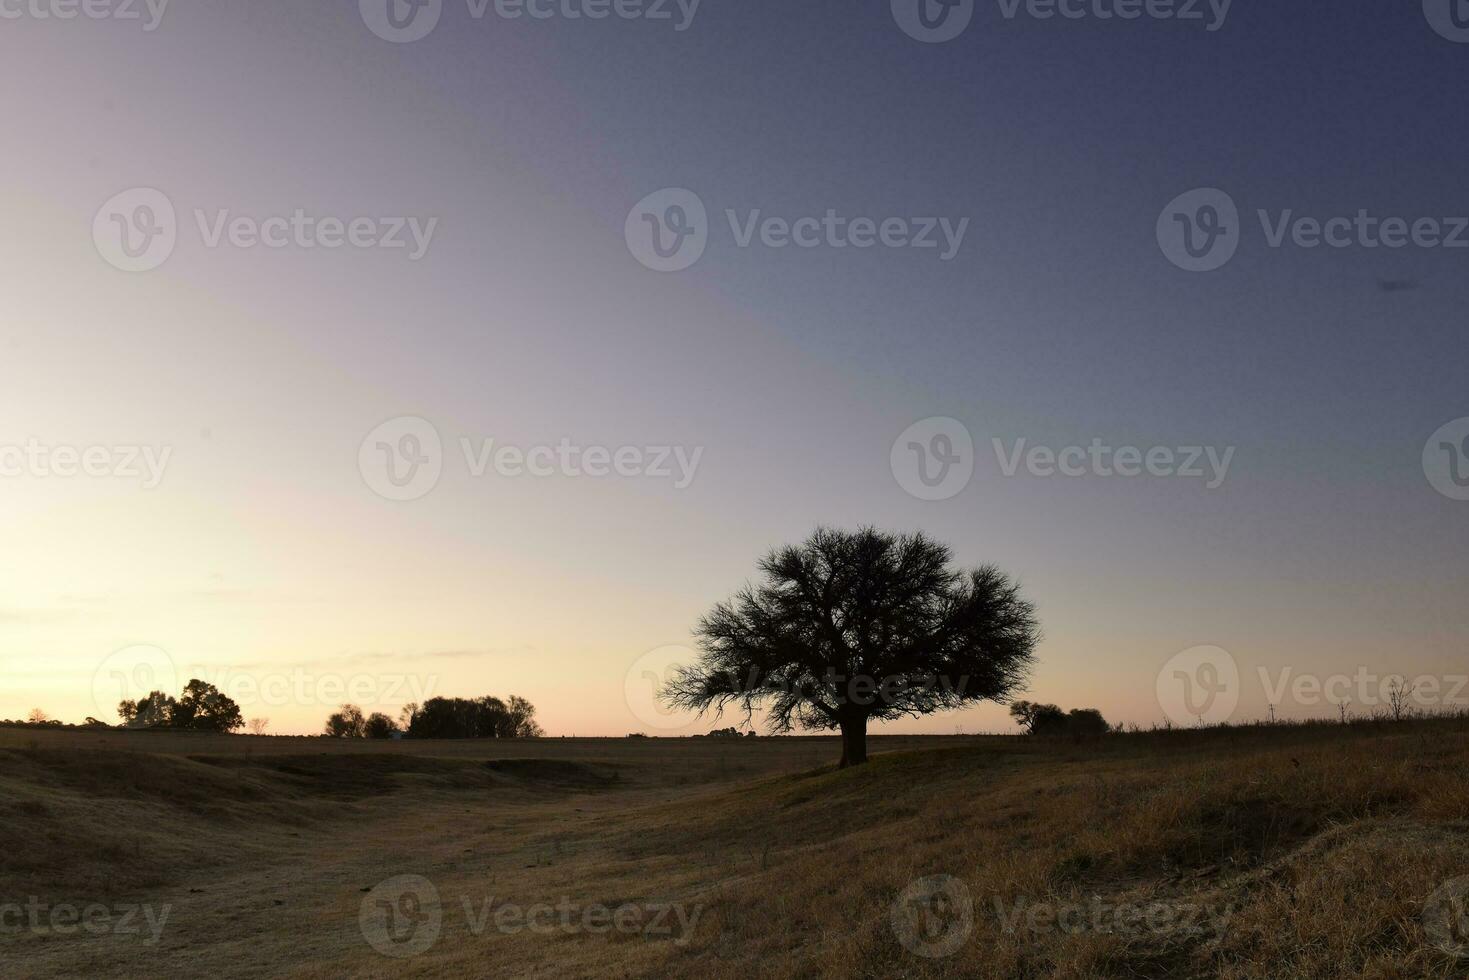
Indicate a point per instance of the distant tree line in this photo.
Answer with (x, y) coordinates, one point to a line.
(1048, 719)
(350, 722)
(486, 717)
(729, 733)
(202, 708)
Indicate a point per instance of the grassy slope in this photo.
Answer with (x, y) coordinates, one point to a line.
(1321, 843)
(1323, 847)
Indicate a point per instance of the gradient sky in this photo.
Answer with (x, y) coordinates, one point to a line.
(263, 552)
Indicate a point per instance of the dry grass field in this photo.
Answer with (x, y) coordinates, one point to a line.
(1244, 853)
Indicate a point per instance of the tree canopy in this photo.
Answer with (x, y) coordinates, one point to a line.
(851, 626)
(1048, 719)
(202, 707)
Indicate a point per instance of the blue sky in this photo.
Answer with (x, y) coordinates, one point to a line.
(527, 320)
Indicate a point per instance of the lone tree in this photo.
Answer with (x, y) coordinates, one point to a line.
(852, 626)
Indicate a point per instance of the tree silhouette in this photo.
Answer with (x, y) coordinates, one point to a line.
(202, 708)
(154, 711)
(1038, 719)
(346, 723)
(486, 717)
(852, 626)
(1047, 719)
(521, 719)
(379, 725)
(1086, 721)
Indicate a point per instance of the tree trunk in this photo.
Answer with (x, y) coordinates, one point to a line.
(854, 741)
